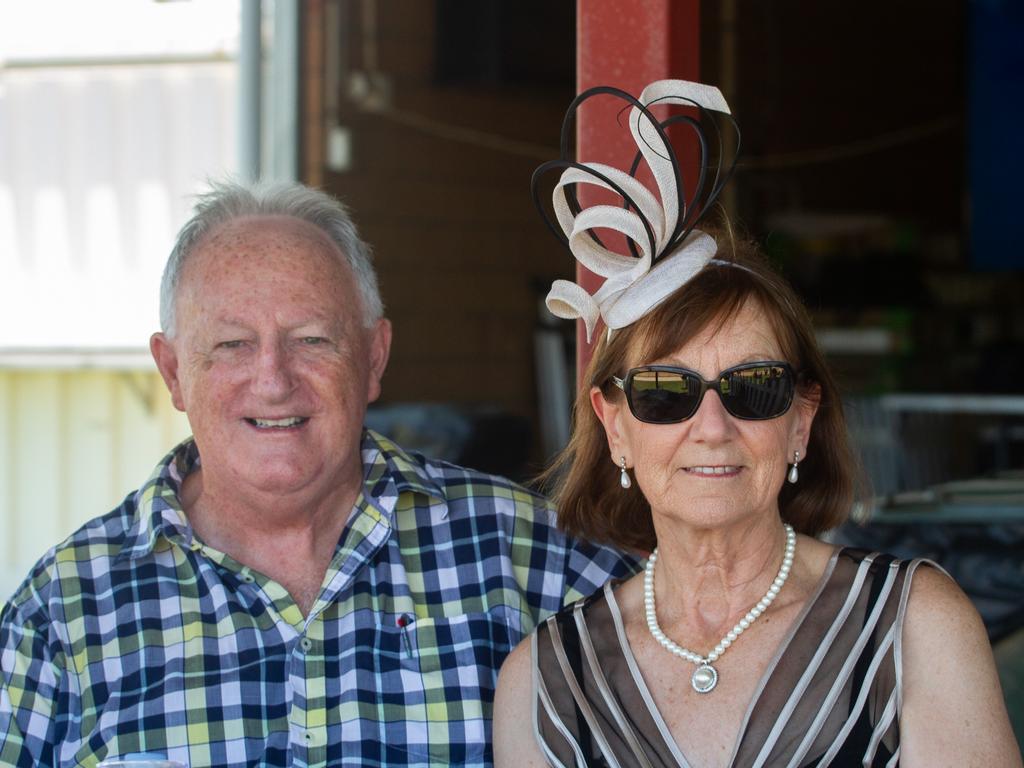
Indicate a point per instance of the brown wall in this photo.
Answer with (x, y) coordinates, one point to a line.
(459, 248)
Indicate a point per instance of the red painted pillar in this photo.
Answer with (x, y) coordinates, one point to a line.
(626, 44)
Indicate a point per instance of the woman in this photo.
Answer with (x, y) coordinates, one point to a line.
(711, 432)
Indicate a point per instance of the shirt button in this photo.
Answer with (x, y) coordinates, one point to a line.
(308, 736)
(247, 577)
(306, 644)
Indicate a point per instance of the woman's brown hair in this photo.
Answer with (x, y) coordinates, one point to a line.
(582, 480)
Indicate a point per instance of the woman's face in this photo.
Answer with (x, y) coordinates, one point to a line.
(713, 468)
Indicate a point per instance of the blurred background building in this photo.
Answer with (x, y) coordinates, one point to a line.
(880, 168)
(111, 117)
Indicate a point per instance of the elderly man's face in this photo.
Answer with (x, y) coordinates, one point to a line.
(271, 360)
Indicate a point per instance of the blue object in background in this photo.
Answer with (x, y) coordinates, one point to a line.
(995, 153)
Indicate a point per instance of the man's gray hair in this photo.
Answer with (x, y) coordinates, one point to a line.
(228, 200)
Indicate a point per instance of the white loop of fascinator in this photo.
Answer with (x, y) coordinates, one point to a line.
(666, 249)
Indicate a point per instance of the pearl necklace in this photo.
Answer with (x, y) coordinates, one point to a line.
(705, 677)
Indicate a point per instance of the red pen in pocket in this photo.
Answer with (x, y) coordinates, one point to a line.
(403, 622)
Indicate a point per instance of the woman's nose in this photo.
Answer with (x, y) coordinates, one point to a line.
(711, 421)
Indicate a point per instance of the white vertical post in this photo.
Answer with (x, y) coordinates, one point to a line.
(250, 86)
(283, 123)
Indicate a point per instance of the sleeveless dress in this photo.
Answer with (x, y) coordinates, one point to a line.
(831, 696)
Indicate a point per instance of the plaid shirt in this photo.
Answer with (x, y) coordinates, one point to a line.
(133, 636)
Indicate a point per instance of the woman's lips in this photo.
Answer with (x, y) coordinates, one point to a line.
(715, 470)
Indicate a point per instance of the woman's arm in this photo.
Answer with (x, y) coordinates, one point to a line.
(953, 708)
(514, 744)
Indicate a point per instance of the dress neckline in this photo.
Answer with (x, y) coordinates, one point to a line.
(645, 693)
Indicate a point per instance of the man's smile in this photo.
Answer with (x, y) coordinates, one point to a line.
(285, 423)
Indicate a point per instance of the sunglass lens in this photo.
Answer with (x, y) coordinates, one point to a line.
(664, 397)
(758, 392)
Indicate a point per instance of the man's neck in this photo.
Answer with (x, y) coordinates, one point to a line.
(288, 539)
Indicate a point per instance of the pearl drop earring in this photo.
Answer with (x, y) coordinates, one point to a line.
(794, 474)
(624, 480)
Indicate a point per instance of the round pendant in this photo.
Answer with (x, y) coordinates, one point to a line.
(704, 678)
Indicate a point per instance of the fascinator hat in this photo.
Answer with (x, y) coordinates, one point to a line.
(666, 248)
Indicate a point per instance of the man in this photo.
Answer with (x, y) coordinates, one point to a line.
(287, 588)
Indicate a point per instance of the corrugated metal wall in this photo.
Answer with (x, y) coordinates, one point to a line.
(98, 168)
(72, 445)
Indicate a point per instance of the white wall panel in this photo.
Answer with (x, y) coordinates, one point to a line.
(72, 445)
(39, 471)
(8, 544)
(90, 414)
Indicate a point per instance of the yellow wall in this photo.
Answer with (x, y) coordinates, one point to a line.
(72, 445)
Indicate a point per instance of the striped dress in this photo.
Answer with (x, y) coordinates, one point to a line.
(831, 696)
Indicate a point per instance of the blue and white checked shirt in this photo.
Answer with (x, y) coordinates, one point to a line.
(133, 636)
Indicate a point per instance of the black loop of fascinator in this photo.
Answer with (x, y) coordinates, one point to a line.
(700, 203)
(655, 226)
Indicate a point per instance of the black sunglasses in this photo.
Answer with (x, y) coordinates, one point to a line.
(666, 394)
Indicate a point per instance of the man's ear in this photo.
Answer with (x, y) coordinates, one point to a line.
(611, 413)
(380, 351)
(166, 358)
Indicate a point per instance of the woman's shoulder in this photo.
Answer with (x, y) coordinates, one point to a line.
(880, 560)
(513, 734)
(900, 578)
(950, 683)
(940, 616)
(926, 602)
(930, 602)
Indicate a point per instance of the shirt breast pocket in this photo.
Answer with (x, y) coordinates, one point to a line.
(443, 672)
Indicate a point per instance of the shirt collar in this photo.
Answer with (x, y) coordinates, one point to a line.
(159, 515)
(385, 462)
(158, 512)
